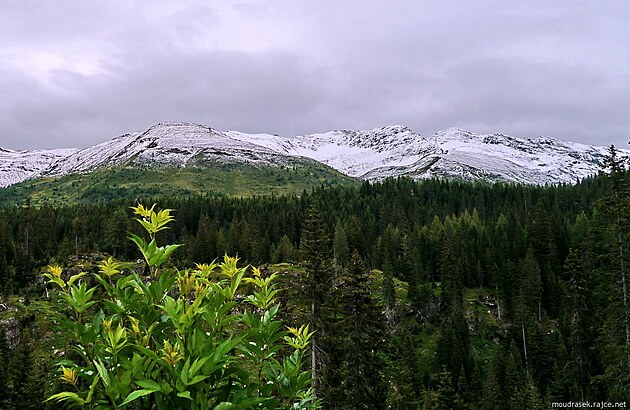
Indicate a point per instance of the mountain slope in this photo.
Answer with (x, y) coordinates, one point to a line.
(170, 145)
(367, 154)
(132, 182)
(502, 157)
(351, 152)
(16, 166)
(454, 153)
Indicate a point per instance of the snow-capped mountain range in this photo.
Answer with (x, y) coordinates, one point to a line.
(370, 154)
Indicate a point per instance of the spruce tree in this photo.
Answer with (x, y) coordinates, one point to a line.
(492, 398)
(284, 252)
(25, 392)
(614, 220)
(316, 284)
(578, 322)
(340, 246)
(514, 378)
(115, 232)
(363, 336)
(204, 250)
(6, 254)
(528, 398)
(451, 298)
(446, 397)
(530, 297)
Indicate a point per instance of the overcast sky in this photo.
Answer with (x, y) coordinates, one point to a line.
(74, 73)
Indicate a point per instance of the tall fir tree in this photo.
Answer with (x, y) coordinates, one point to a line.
(578, 323)
(341, 251)
(361, 338)
(317, 285)
(116, 232)
(614, 219)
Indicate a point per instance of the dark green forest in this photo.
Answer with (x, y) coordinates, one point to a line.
(422, 294)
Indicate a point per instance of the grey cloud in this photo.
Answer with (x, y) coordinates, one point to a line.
(223, 89)
(529, 69)
(530, 99)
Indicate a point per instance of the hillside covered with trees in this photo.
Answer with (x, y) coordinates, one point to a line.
(432, 294)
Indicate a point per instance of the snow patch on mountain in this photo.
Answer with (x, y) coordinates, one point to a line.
(17, 166)
(535, 161)
(351, 152)
(169, 144)
(454, 153)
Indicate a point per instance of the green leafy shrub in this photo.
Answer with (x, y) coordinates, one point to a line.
(202, 338)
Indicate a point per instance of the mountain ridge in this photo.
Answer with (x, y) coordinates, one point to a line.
(17, 166)
(365, 154)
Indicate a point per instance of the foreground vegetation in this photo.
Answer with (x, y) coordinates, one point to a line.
(427, 294)
(178, 339)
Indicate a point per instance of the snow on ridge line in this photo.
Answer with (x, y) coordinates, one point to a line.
(373, 154)
(17, 166)
(171, 144)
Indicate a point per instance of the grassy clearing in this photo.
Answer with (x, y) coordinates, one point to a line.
(126, 182)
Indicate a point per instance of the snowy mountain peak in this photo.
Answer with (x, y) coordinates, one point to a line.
(546, 141)
(454, 131)
(167, 128)
(370, 154)
(170, 144)
(394, 129)
(501, 139)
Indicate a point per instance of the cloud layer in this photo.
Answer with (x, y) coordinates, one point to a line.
(74, 73)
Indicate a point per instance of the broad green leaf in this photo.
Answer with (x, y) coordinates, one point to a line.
(225, 406)
(76, 277)
(102, 371)
(149, 384)
(197, 364)
(196, 380)
(137, 394)
(184, 394)
(67, 396)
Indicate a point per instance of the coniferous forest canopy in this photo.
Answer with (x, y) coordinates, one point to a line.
(421, 294)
